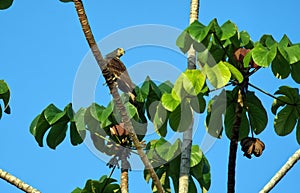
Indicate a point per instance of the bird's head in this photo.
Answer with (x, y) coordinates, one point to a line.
(120, 52)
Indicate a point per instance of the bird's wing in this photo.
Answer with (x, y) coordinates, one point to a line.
(116, 66)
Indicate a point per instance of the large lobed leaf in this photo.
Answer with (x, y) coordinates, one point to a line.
(286, 119)
(56, 121)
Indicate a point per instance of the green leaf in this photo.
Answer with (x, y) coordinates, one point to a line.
(198, 31)
(105, 179)
(295, 69)
(285, 41)
(218, 75)
(131, 110)
(256, 112)
(159, 118)
(178, 92)
(57, 134)
(215, 54)
(293, 53)
(229, 29)
(230, 116)
(235, 72)
(79, 119)
(165, 87)
(96, 111)
(244, 38)
(4, 4)
(278, 103)
(291, 93)
(38, 128)
(202, 174)
(167, 151)
(75, 135)
(214, 28)
(192, 186)
(77, 190)
(285, 121)
(198, 103)
(216, 108)
(153, 88)
(247, 59)
(263, 56)
(229, 121)
(53, 114)
(33, 124)
(298, 132)
(193, 82)
(106, 112)
(184, 41)
(196, 156)
(267, 41)
(169, 102)
(280, 67)
(3, 87)
(69, 111)
(92, 124)
(145, 88)
(92, 186)
(182, 117)
(4, 93)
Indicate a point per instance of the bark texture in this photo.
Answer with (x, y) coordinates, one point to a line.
(17, 182)
(281, 173)
(188, 134)
(234, 143)
(114, 91)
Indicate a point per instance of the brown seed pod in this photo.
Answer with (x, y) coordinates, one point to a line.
(239, 55)
(251, 146)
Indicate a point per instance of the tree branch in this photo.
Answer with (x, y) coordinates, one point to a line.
(234, 143)
(281, 173)
(17, 182)
(114, 91)
(272, 96)
(188, 134)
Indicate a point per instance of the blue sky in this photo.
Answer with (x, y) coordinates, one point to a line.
(42, 47)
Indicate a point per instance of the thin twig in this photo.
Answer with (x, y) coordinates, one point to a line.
(219, 41)
(215, 89)
(106, 180)
(266, 93)
(252, 72)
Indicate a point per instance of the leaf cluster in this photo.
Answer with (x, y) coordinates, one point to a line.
(166, 157)
(104, 185)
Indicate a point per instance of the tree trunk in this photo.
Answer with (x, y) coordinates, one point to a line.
(114, 91)
(124, 180)
(188, 134)
(234, 143)
(279, 175)
(17, 182)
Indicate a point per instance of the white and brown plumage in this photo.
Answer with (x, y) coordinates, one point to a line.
(118, 69)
